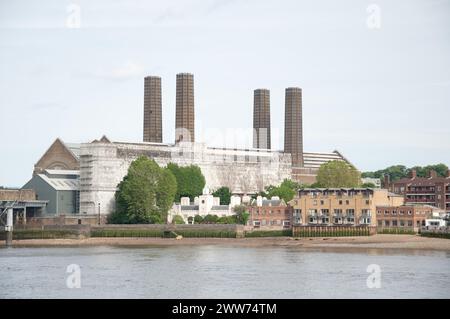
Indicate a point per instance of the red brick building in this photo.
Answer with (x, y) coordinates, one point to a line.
(406, 217)
(431, 190)
(269, 214)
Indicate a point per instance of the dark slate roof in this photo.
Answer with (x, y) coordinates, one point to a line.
(189, 207)
(220, 207)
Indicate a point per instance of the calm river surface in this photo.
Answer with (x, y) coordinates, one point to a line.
(221, 272)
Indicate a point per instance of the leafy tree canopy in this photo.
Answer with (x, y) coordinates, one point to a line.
(224, 194)
(177, 219)
(397, 172)
(338, 174)
(190, 180)
(286, 190)
(145, 194)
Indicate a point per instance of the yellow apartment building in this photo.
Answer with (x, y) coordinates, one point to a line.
(340, 206)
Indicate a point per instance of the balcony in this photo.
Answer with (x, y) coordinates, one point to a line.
(420, 200)
(421, 191)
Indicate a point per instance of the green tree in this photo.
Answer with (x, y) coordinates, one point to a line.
(241, 214)
(210, 219)
(285, 191)
(198, 219)
(165, 193)
(338, 174)
(397, 172)
(190, 180)
(224, 194)
(368, 185)
(144, 195)
(177, 219)
(226, 220)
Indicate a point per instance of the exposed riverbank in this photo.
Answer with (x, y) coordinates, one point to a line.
(377, 241)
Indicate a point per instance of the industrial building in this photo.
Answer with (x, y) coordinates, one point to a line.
(60, 188)
(102, 163)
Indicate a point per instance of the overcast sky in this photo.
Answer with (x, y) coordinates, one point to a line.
(375, 78)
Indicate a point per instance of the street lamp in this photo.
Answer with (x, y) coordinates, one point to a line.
(99, 213)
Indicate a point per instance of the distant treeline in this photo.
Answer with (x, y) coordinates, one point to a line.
(397, 172)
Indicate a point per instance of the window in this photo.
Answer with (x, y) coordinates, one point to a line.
(379, 212)
(386, 212)
(410, 223)
(402, 223)
(315, 202)
(394, 223)
(409, 212)
(380, 223)
(367, 202)
(387, 223)
(322, 202)
(394, 213)
(340, 202)
(347, 202)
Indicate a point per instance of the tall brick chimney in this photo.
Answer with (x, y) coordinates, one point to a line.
(413, 173)
(432, 173)
(293, 125)
(152, 109)
(448, 173)
(184, 112)
(261, 119)
(387, 181)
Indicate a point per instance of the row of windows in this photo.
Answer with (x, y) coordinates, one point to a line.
(400, 213)
(269, 212)
(341, 202)
(348, 212)
(326, 220)
(277, 222)
(399, 223)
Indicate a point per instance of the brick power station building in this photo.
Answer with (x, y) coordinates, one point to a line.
(102, 164)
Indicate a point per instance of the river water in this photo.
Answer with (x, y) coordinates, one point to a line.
(222, 272)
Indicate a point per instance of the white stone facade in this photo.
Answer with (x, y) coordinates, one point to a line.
(205, 204)
(103, 166)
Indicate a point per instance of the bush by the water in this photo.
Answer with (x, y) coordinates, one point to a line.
(396, 231)
(436, 235)
(269, 233)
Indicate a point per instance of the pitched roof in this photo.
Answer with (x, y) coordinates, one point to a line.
(61, 184)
